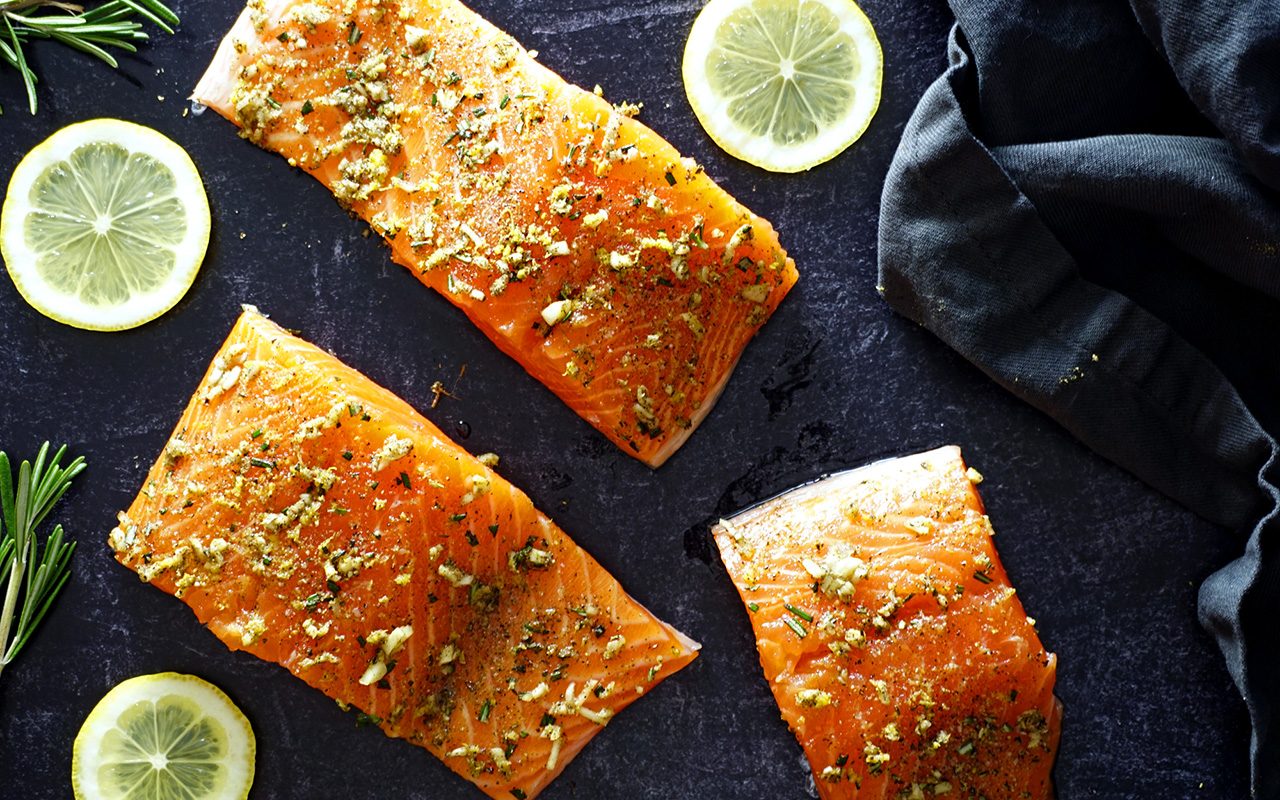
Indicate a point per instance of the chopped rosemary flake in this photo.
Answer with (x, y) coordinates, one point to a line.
(354, 34)
(403, 480)
(458, 517)
(283, 37)
(671, 179)
(311, 601)
(799, 612)
(261, 462)
(256, 433)
(363, 719)
(346, 454)
(503, 102)
(264, 447)
(307, 108)
(796, 627)
(485, 710)
(982, 577)
(754, 607)
(519, 794)
(333, 586)
(493, 529)
(471, 539)
(271, 101)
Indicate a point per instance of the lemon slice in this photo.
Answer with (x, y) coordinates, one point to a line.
(783, 84)
(163, 737)
(104, 225)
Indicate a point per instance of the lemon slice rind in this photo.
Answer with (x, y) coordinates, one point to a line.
(140, 307)
(86, 760)
(712, 109)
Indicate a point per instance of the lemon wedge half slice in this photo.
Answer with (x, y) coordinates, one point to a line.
(164, 737)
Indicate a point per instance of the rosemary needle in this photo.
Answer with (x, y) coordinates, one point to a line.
(112, 24)
(30, 575)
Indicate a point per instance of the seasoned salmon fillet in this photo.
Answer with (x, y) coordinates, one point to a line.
(898, 652)
(314, 519)
(612, 269)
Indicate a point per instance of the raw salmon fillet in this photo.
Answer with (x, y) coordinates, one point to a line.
(314, 519)
(897, 650)
(613, 270)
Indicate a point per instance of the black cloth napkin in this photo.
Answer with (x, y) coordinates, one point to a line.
(1086, 205)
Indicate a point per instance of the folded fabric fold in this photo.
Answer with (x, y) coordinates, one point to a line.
(1058, 160)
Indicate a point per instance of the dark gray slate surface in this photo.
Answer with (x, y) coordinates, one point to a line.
(1107, 566)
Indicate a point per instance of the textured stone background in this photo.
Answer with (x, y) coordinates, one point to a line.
(1108, 567)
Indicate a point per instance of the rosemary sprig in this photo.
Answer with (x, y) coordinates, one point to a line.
(31, 575)
(93, 30)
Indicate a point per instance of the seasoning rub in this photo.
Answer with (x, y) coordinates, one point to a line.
(612, 269)
(384, 565)
(891, 638)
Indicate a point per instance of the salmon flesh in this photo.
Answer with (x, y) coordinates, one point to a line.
(314, 519)
(898, 652)
(613, 270)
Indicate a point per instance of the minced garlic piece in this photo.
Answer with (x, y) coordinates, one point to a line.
(175, 449)
(557, 312)
(415, 38)
(480, 486)
(881, 688)
(741, 236)
(388, 643)
(313, 630)
(454, 574)
(813, 698)
(837, 575)
(309, 14)
(614, 646)
(393, 449)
